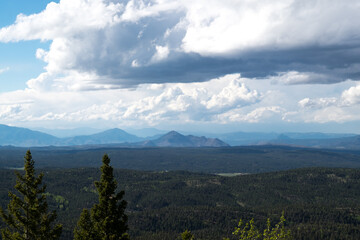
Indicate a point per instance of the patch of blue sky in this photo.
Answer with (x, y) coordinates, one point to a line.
(20, 64)
(9, 9)
(17, 60)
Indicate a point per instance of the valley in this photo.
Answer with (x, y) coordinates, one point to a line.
(175, 182)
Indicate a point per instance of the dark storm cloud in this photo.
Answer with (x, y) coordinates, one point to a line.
(134, 42)
(331, 64)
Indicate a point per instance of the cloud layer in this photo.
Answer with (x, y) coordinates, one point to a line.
(170, 62)
(103, 44)
(230, 99)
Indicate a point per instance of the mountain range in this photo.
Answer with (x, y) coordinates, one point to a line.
(16, 136)
(291, 138)
(24, 137)
(175, 139)
(352, 142)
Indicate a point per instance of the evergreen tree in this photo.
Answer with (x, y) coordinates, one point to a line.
(84, 229)
(27, 217)
(187, 235)
(250, 232)
(108, 220)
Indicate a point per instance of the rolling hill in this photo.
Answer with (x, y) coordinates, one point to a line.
(24, 137)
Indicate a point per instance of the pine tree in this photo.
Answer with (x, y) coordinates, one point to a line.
(108, 220)
(250, 232)
(84, 229)
(187, 235)
(27, 216)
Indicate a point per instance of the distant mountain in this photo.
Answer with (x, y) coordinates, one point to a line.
(111, 136)
(245, 138)
(317, 135)
(261, 138)
(67, 133)
(24, 137)
(352, 142)
(148, 133)
(175, 139)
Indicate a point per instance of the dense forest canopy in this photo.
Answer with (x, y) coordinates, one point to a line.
(318, 203)
(253, 159)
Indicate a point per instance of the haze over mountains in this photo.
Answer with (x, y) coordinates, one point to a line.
(24, 137)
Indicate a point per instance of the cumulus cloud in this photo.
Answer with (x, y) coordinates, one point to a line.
(11, 112)
(351, 96)
(318, 103)
(257, 115)
(109, 44)
(149, 104)
(345, 107)
(192, 102)
(230, 99)
(235, 94)
(218, 27)
(62, 20)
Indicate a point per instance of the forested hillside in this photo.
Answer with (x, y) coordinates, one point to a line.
(318, 203)
(253, 159)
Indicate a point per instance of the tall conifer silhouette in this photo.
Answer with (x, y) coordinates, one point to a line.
(108, 220)
(27, 216)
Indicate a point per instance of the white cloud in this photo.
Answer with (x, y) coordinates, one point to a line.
(162, 52)
(326, 115)
(345, 107)
(295, 77)
(135, 63)
(230, 99)
(66, 19)
(149, 104)
(218, 27)
(235, 94)
(222, 27)
(165, 52)
(318, 103)
(136, 10)
(194, 102)
(351, 96)
(2, 70)
(10, 112)
(257, 115)
(124, 44)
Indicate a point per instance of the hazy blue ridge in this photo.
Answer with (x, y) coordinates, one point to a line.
(23, 137)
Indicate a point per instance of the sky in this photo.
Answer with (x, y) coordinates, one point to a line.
(204, 65)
